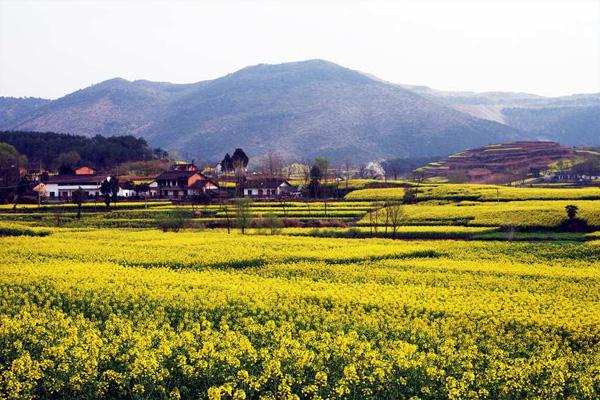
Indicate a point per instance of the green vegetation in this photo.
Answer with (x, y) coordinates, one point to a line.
(55, 149)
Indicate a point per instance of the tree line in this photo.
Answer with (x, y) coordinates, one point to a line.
(51, 150)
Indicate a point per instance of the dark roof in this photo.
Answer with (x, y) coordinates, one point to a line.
(76, 179)
(265, 182)
(176, 174)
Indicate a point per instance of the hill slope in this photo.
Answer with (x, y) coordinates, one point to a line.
(499, 163)
(572, 120)
(301, 110)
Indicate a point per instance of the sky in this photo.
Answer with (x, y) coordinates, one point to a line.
(547, 47)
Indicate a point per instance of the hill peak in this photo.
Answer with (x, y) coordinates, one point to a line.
(314, 69)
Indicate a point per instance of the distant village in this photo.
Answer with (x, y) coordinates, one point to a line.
(77, 180)
(184, 181)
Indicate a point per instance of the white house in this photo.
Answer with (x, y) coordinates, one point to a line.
(266, 187)
(63, 186)
(126, 192)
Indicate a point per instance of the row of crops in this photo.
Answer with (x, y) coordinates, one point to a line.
(115, 313)
(520, 215)
(459, 192)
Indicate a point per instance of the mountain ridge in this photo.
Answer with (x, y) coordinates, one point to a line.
(301, 110)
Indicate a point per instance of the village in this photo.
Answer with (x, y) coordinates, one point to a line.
(183, 182)
(269, 178)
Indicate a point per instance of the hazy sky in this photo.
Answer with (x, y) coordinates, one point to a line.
(50, 48)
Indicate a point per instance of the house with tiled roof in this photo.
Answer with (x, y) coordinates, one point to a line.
(179, 184)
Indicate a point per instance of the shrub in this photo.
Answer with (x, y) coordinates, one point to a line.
(171, 223)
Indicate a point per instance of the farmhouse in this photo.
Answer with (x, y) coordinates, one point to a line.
(266, 187)
(63, 186)
(180, 184)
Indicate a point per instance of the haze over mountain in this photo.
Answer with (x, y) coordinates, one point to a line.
(572, 120)
(302, 110)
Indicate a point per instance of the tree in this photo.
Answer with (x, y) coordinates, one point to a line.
(225, 209)
(396, 215)
(243, 215)
(347, 172)
(78, 197)
(65, 170)
(373, 170)
(160, 154)
(227, 163)
(314, 187)
(271, 165)
(9, 170)
(239, 159)
(67, 162)
(305, 172)
(393, 168)
(410, 195)
(588, 168)
(101, 152)
(323, 164)
(22, 188)
(272, 223)
(571, 211)
(109, 189)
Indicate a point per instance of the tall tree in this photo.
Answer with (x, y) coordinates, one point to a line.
(109, 189)
(21, 189)
(323, 165)
(78, 197)
(314, 187)
(271, 165)
(239, 159)
(226, 163)
(243, 215)
(9, 170)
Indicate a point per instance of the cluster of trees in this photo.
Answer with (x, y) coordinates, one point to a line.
(397, 167)
(12, 185)
(238, 161)
(54, 150)
(587, 168)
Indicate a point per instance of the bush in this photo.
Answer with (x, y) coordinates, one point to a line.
(354, 232)
(171, 223)
(292, 223)
(15, 231)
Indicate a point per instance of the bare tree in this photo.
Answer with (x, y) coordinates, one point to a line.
(396, 215)
(243, 214)
(347, 166)
(272, 223)
(305, 171)
(227, 220)
(271, 165)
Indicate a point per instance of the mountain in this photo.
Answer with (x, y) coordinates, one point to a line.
(572, 120)
(13, 109)
(300, 110)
